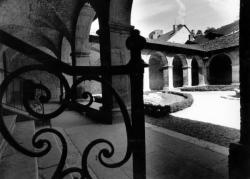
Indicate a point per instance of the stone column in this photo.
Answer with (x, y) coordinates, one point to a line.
(168, 77)
(187, 76)
(82, 45)
(202, 74)
(120, 55)
(235, 74)
(146, 73)
(189, 72)
(206, 71)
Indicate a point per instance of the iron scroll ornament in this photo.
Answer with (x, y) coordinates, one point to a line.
(44, 146)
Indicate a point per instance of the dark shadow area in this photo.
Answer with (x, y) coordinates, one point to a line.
(220, 70)
(177, 72)
(195, 73)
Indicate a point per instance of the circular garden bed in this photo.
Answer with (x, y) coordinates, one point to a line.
(159, 104)
(211, 88)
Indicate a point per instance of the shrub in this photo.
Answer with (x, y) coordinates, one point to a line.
(210, 88)
(157, 110)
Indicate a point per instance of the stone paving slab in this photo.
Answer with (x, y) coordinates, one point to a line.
(167, 156)
(14, 164)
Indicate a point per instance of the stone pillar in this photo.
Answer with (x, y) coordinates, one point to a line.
(235, 74)
(146, 73)
(202, 76)
(82, 45)
(239, 152)
(187, 76)
(168, 74)
(85, 19)
(189, 73)
(168, 77)
(120, 56)
(189, 69)
(206, 71)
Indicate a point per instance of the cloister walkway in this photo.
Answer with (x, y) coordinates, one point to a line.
(169, 154)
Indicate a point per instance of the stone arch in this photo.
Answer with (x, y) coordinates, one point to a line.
(179, 70)
(220, 70)
(156, 62)
(84, 21)
(195, 72)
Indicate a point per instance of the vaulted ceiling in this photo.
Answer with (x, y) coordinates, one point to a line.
(41, 23)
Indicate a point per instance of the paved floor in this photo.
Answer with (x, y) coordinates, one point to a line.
(213, 108)
(167, 156)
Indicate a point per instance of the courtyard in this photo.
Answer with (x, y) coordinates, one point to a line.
(215, 107)
(169, 154)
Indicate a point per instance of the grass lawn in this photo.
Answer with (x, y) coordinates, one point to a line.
(209, 132)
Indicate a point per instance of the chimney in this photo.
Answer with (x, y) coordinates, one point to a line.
(174, 28)
(192, 35)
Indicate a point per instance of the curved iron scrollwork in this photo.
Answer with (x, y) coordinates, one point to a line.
(29, 88)
(43, 146)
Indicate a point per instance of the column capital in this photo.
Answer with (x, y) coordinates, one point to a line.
(80, 54)
(117, 27)
(186, 67)
(167, 67)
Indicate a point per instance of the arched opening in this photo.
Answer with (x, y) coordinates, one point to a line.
(220, 70)
(195, 73)
(177, 72)
(156, 81)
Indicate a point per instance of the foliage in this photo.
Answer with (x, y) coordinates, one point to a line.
(210, 88)
(157, 110)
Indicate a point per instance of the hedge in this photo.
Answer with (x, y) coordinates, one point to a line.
(210, 88)
(159, 111)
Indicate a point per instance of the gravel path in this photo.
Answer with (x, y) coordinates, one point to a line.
(211, 107)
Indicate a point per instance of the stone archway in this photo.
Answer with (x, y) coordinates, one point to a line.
(180, 75)
(177, 72)
(220, 70)
(156, 80)
(195, 72)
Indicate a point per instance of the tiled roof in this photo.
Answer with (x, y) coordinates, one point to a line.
(171, 44)
(165, 37)
(221, 42)
(227, 41)
(229, 28)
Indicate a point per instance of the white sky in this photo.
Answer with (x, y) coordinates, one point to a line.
(149, 15)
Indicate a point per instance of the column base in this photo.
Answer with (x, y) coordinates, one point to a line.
(167, 88)
(239, 161)
(202, 84)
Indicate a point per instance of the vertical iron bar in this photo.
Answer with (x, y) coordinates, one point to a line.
(13, 94)
(239, 152)
(136, 43)
(244, 72)
(105, 56)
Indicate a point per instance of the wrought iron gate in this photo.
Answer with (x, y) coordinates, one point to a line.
(134, 124)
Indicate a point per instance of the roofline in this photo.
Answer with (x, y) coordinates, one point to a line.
(221, 50)
(172, 47)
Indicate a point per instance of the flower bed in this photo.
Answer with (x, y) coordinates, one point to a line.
(156, 109)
